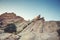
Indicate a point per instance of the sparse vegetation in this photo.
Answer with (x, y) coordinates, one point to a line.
(10, 28)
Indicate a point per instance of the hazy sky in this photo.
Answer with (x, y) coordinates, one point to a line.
(28, 9)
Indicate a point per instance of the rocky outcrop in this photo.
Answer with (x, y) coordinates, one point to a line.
(35, 29)
(39, 29)
(7, 18)
(38, 18)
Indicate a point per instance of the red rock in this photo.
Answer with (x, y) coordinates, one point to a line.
(7, 18)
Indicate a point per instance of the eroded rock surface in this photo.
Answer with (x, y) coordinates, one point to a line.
(7, 18)
(36, 29)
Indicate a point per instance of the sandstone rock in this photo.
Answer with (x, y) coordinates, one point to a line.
(4, 36)
(21, 26)
(50, 26)
(42, 30)
(28, 36)
(38, 18)
(7, 18)
(1, 31)
(36, 29)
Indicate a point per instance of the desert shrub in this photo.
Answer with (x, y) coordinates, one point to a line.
(10, 28)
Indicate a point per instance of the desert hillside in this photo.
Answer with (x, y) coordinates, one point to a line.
(13, 27)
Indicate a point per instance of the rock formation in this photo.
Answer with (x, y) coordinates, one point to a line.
(35, 29)
(7, 18)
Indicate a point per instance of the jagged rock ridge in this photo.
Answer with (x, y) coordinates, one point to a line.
(35, 29)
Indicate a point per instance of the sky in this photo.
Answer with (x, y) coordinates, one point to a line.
(28, 9)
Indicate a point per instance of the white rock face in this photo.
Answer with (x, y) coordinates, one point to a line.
(37, 34)
(4, 36)
(28, 36)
